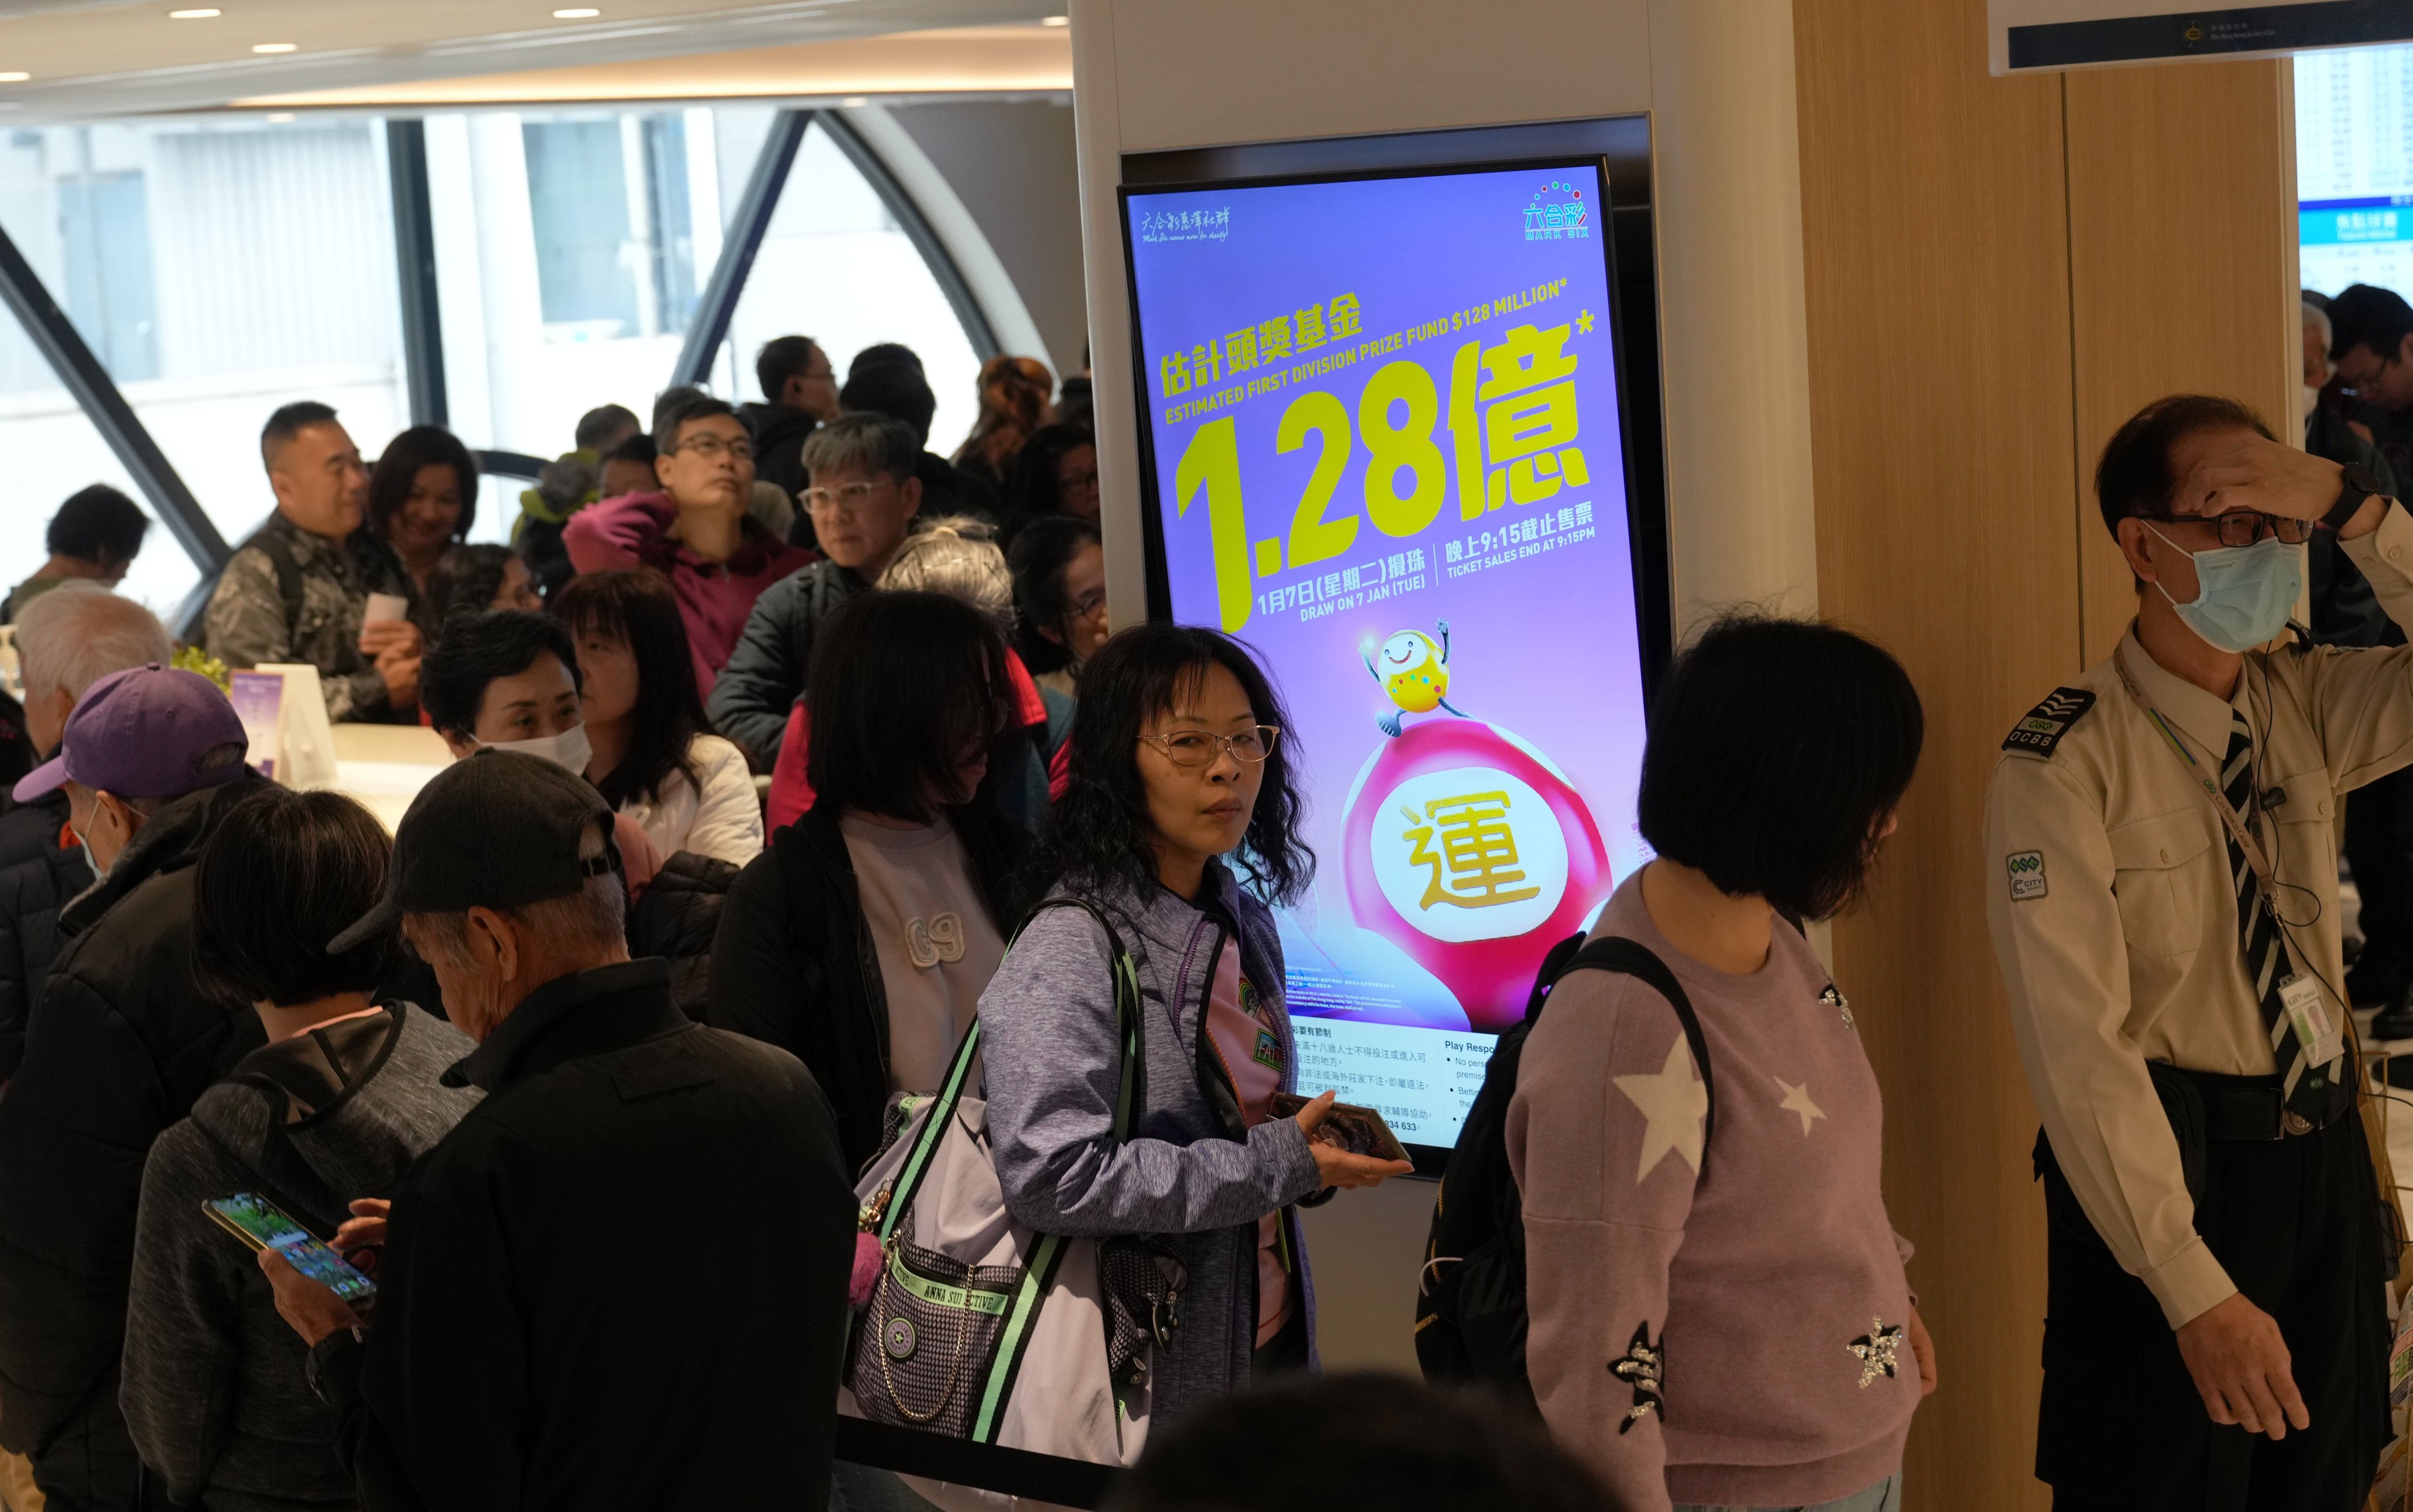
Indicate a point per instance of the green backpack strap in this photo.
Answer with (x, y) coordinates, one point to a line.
(1022, 1311)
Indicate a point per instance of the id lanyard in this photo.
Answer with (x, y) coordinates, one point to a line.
(2299, 993)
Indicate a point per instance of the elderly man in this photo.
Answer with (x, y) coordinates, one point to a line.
(125, 1040)
(298, 590)
(621, 1281)
(67, 640)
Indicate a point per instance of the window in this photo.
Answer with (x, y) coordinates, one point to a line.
(570, 247)
(219, 270)
(836, 267)
(53, 451)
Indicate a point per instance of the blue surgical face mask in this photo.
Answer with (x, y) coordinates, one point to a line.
(2244, 594)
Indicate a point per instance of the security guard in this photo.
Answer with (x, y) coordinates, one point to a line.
(2162, 891)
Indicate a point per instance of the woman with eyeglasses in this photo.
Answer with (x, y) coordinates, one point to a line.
(696, 531)
(1054, 473)
(1060, 597)
(1181, 787)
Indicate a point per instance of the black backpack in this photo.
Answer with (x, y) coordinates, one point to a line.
(1471, 1315)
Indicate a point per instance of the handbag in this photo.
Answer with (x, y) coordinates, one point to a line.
(980, 1329)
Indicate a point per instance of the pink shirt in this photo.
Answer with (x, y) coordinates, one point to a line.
(1242, 1032)
(1766, 1270)
(714, 598)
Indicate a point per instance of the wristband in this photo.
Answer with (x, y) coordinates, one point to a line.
(2355, 485)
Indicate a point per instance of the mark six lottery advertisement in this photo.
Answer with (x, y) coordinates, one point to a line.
(1383, 422)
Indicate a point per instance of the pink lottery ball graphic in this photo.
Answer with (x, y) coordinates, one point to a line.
(1465, 849)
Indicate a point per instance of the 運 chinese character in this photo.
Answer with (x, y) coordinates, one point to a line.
(1478, 851)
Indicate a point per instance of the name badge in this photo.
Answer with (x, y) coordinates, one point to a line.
(2299, 997)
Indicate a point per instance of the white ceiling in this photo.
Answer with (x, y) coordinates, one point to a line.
(103, 59)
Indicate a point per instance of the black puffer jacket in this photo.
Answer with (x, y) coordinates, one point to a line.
(677, 919)
(794, 965)
(38, 876)
(124, 1042)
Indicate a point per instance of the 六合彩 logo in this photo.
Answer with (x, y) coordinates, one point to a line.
(1557, 213)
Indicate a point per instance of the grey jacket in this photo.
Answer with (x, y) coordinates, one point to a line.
(213, 1386)
(1052, 1066)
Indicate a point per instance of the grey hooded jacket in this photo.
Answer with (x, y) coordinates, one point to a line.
(1190, 1173)
(215, 1392)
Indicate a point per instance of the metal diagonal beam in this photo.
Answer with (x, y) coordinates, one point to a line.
(414, 265)
(917, 230)
(47, 327)
(710, 327)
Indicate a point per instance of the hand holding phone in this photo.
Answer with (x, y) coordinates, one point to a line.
(261, 1224)
(1353, 1147)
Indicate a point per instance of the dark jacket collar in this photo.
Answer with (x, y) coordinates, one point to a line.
(170, 841)
(584, 1014)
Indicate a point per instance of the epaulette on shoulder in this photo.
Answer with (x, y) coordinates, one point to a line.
(2039, 731)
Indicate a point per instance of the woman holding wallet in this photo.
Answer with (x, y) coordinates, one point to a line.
(1177, 763)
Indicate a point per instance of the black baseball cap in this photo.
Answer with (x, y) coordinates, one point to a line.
(500, 830)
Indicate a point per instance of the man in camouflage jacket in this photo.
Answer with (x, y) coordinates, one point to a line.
(296, 591)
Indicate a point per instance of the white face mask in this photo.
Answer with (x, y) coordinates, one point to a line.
(568, 750)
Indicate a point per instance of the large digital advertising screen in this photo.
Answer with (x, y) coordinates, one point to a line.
(1382, 444)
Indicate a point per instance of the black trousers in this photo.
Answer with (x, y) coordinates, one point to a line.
(2121, 1427)
(2379, 850)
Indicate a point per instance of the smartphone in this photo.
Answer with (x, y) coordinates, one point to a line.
(1358, 1130)
(262, 1225)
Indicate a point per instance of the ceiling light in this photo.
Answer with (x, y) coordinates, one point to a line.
(271, 47)
(14, 78)
(194, 15)
(281, 118)
(577, 13)
(854, 101)
(1055, 21)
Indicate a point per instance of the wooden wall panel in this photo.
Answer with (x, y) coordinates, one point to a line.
(2182, 267)
(1997, 272)
(1935, 254)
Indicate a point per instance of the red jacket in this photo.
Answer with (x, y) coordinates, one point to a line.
(714, 598)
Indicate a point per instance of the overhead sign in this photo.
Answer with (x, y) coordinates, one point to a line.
(2025, 36)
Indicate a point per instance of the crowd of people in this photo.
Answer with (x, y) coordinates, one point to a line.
(804, 807)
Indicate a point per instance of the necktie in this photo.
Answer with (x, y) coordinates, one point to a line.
(2310, 1092)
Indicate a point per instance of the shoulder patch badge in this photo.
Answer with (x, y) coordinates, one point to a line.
(2041, 729)
(2027, 875)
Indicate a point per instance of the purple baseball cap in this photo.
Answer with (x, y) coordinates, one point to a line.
(145, 733)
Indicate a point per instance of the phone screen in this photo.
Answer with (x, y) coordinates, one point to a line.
(263, 1225)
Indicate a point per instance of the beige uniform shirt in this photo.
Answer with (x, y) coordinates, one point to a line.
(2114, 915)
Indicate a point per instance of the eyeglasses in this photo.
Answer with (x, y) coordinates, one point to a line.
(711, 448)
(1089, 606)
(1196, 748)
(2243, 527)
(839, 500)
(1077, 482)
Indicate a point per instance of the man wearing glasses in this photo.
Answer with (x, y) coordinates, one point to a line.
(863, 499)
(696, 531)
(2162, 891)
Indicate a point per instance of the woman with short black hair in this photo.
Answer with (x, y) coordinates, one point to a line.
(1719, 1312)
(862, 938)
(1179, 760)
(345, 1095)
(471, 578)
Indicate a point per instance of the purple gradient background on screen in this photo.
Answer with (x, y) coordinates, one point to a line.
(1544, 647)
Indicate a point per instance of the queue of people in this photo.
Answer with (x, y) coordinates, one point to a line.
(577, 1074)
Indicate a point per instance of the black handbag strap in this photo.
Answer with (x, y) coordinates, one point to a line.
(1631, 958)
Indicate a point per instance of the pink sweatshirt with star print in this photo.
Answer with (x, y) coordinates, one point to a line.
(1763, 1286)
